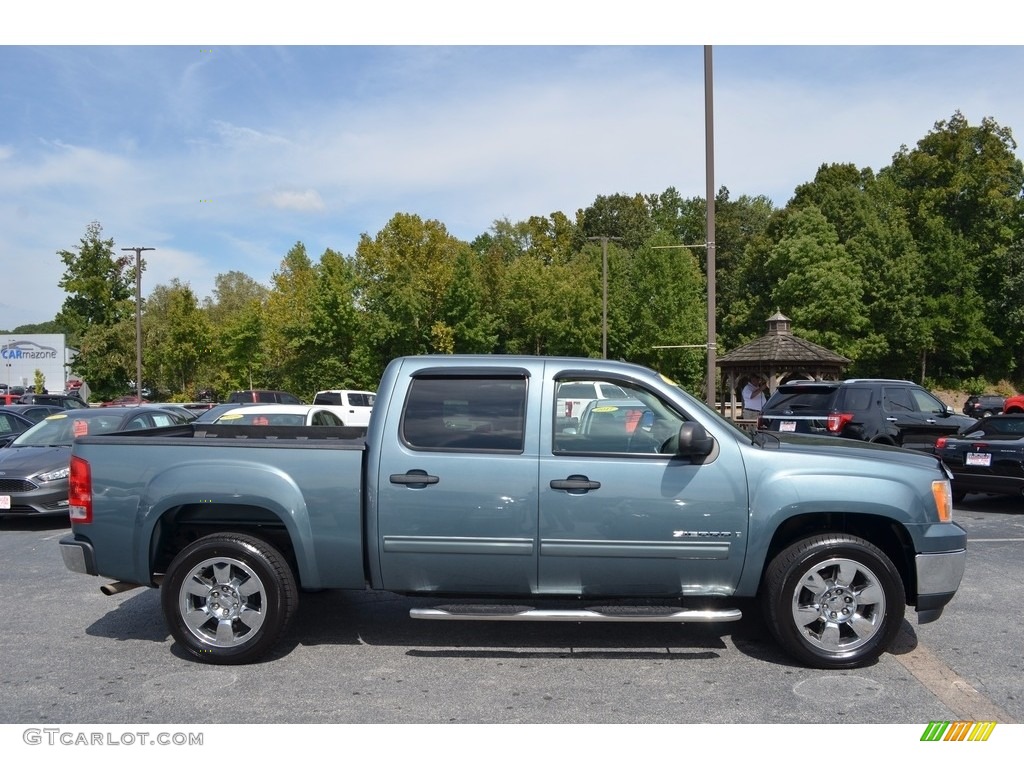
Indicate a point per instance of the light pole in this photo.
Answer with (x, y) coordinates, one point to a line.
(604, 291)
(138, 318)
(709, 137)
(709, 161)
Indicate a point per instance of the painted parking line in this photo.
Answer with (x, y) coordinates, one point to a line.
(950, 688)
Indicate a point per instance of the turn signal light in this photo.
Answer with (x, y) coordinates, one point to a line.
(943, 495)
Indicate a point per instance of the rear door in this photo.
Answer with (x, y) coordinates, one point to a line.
(919, 417)
(457, 487)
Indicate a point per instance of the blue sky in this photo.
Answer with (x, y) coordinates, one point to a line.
(221, 157)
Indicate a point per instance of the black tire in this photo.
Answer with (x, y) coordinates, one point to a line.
(833, 601)
(228, 598)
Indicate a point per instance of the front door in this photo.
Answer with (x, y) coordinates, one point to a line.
(621, 516)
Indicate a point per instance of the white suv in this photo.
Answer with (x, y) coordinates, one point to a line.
(352, 405)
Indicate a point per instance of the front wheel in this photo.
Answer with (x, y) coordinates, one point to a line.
(833, 601)
(228, 598)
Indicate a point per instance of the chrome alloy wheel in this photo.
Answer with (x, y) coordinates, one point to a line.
(838, 605)
(222, 602)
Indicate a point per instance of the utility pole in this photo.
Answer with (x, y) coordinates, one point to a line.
(604, 291)
(709, 140)
(138, 318)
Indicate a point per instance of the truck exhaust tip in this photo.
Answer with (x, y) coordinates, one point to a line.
(117, 587)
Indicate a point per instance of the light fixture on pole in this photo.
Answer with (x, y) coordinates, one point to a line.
(138, 318)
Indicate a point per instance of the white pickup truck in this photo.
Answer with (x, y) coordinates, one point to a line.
(574, 396)
(352, 405)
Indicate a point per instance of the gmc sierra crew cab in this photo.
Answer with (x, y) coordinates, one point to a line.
(469, 487)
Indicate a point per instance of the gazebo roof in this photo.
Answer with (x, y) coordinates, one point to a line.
(780, 347)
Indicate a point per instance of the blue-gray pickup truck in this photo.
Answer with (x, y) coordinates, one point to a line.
(471, 486)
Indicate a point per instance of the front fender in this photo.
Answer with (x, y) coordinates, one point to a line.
(808, 493)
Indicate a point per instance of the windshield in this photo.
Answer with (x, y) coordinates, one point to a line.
(63, 428)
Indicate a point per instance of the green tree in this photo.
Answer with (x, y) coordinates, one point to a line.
(236, 315)
(291, 349)
(817, 283)
(99, 285)
(338, 327)
(961, 187)
(658, 299)
(421, 291)
(628, 218)
(106, 358)
(177, 339)
(872, 227)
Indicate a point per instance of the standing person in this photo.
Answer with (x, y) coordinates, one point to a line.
(754, 397)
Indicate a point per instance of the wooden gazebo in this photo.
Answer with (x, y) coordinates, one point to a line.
(779, 356)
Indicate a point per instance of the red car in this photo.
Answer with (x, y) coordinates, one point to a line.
(124, 400)
(1014, 404)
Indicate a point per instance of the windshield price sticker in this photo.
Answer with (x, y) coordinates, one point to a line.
(979, 459)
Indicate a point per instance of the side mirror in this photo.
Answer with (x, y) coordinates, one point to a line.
(694, 441)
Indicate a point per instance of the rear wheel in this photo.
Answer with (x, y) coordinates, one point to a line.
(228, 598)
(833, 601)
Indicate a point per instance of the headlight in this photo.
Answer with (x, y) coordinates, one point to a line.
(57, 474)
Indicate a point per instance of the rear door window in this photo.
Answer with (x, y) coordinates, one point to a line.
(855, 399)
(479, 413)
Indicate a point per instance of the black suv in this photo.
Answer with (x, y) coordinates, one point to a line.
(984, 405)
(877, 410)
(66, 402)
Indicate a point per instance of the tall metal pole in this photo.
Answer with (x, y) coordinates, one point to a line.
(604, 298)
(138, 318)
(709, 140)
(604, 291)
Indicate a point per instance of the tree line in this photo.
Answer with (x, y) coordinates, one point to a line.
(914, 271)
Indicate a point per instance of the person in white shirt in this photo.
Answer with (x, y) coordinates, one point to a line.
(754, 396)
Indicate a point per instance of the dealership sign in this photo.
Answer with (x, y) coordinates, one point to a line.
(27, 350)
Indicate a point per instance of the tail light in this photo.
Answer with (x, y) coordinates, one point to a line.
(940, 443)
(836, 422)
(80, 491)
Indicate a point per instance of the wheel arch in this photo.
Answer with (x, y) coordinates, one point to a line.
(178, 527)
(888, 535)
(192, 500)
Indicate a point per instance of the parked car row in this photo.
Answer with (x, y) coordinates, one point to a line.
(885, 411)
(987, 456)
(34, 466)
(983, 449)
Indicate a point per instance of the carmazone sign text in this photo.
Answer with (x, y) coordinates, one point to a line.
(21, 355)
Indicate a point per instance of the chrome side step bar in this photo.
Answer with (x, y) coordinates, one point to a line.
(616, 614)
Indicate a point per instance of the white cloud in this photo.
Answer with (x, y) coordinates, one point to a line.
(294, 200)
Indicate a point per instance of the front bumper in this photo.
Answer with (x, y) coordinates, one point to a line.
(41, 499)
(938, 578)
